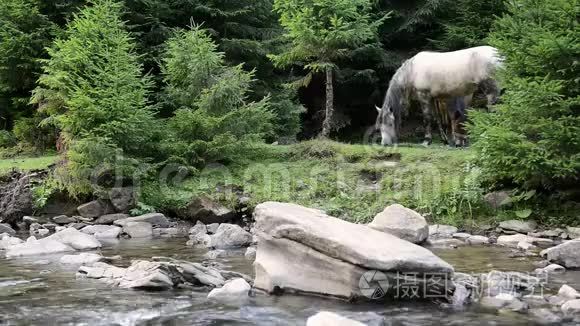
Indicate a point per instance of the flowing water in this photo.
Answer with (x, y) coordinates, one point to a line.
(36, 291)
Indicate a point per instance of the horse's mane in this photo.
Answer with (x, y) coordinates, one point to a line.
(398, 91)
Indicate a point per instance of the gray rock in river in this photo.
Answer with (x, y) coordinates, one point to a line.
(138, 229)
(513, 283)
(76, 239)
(80, 259)
(198, 229)
(551, 269)
(158, 274)
(250, 253)
(566, 254)
(571, 307)
(7, 241)
(513, 240)
(233, 290)
(325, 318)
(461, 236)
(402, 222)
(155, 219)
(441, 231)
(212, 228)
(477, 240)
(453, 243)
(504, 301)
(545, 316)
(206, 210)
(573, 233)
(334, 254)
(6, 228)
(199, 241)
(95, 208)
(497, 199)
(140, 275)
(230, 236)
(122, 198)
(63, 219)
(102, 231)
(568, 292)
(110, 218)
(519, 226)
(33, 247)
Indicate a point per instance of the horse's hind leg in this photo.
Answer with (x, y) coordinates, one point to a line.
(427, 109)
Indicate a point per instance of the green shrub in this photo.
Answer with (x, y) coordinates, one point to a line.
(32, 132)
(7, 139)
(533, 140)
(213, 121)
(94, 92)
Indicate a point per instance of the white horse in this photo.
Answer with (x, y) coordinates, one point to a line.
(435, 75)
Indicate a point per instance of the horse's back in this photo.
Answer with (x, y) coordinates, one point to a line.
(453, 73)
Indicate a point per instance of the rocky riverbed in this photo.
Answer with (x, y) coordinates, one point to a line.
(150, 269)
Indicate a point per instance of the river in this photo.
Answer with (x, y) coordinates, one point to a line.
(36, 291)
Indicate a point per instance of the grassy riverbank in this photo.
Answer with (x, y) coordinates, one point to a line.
(354, 182)
(26, 163)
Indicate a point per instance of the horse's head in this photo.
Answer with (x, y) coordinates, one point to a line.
(387, 124)
(389, 118)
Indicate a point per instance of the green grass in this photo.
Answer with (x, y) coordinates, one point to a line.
(353, 182)
(26, 164)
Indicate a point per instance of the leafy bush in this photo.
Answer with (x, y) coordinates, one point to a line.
(213, 120)
(533, 140)
(7, 139)
(93, 90)
(32, 132)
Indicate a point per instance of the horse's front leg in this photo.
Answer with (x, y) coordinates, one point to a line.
(427, 109)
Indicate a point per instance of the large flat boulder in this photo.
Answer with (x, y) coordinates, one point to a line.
(566, 254)
(402, 222)
(304, 250)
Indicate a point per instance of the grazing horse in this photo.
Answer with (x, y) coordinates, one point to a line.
(431, 76)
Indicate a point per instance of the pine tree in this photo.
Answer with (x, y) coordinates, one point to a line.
(24, 34)
(320, 32)
(214, 120)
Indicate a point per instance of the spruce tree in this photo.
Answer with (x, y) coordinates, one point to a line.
(94, 91)
(533, 140)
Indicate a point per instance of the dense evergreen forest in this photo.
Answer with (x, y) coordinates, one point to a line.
(124, 84)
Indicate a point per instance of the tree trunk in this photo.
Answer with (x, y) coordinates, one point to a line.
(327, 124)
